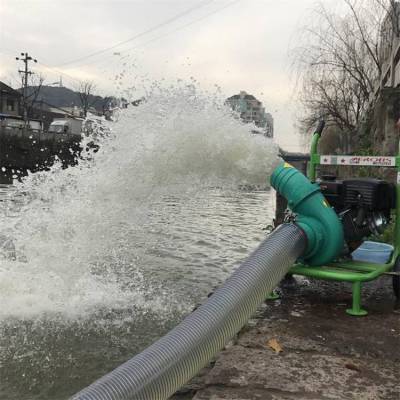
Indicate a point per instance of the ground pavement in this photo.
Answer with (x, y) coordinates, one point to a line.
(305, 347)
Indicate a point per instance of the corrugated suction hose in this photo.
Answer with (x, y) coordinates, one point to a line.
(169, 363)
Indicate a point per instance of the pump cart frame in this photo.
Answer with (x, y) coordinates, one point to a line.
(355, 272)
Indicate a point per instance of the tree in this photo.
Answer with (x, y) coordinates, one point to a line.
(338, 60)
(85, 90)
(33, 94)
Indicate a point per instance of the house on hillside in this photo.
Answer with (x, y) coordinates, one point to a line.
(46, 114)
(251, 110)
(10, 100)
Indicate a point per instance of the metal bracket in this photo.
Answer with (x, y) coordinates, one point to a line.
(290, 216)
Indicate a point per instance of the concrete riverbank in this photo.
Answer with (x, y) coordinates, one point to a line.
(326, 354)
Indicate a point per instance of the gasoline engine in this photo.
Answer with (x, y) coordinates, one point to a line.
(363, 205)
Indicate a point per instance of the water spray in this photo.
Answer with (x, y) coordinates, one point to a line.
(315, 235)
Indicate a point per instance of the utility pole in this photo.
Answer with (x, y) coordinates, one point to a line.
(26, 58)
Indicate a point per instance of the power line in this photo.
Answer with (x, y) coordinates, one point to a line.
(166, 34)
(58, 72)
(184, 26)
(6, 53)
(166, 22)
(105, 60)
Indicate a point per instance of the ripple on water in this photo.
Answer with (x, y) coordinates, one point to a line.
(105, 257)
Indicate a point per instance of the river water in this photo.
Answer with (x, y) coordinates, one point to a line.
(99, 260)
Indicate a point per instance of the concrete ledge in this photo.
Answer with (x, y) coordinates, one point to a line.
(326, 353)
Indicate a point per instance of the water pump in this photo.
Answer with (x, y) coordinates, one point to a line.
(363, 205)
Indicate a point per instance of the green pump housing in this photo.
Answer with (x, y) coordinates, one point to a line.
(314, 215)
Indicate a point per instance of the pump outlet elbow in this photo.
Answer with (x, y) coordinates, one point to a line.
(313, 214)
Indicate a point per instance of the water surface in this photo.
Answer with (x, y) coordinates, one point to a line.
(99, 260)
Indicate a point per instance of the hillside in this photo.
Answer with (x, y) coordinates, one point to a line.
(64, 97)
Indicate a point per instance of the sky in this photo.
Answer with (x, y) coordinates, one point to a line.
(234, 44)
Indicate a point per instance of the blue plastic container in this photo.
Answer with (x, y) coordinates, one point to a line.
(374, 252)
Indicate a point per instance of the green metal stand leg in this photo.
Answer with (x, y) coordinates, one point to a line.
(273, 296)
(356, 310)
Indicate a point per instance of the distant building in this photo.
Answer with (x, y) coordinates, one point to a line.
(269, 125)
(9, 100)
(251, 110)
(46, 113)
(73, 110)
(389, 48)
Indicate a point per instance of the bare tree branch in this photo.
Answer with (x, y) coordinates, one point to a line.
(338, 60)
(32, 97)
(86, 98)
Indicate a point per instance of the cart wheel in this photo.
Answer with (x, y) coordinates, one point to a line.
(396, 278)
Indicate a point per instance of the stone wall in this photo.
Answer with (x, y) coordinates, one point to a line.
(385, 126)
(27, 149)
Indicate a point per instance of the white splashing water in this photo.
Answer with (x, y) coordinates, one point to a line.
(74, 227)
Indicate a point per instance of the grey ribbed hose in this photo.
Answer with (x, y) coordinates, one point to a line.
(166, 365)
